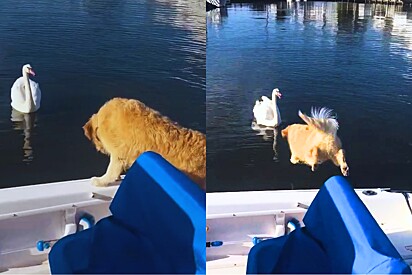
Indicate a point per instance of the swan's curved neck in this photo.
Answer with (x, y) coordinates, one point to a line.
(29, 102)
(274, 99)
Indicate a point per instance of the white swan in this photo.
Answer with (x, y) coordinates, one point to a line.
(25, 97)
(266, 111)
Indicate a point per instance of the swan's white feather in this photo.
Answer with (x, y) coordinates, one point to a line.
(18, 95)
(265, 114)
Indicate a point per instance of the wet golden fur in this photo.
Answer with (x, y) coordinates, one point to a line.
(312, 145)
(125, 128)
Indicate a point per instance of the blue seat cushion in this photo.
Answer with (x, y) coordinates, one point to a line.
(296, 253)
(157, 226)
(263, 256)
(354, 242)
(340, 237)
(118, 249)
(64, 258)
(301, 254)
(166, 207)
(107, 248)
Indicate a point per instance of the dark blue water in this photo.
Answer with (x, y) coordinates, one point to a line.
(353, 58)
(84, 53)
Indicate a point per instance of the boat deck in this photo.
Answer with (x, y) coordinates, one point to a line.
(236, 264)
(32, 213)
(35, 269)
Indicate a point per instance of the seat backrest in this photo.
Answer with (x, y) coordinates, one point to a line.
(340, 237)
(164, 205)
(351, 238)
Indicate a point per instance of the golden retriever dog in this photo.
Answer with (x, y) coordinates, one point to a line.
(125, 128)
(317, 141)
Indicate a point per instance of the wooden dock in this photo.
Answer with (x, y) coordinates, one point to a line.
(210, 4)
(216, 3)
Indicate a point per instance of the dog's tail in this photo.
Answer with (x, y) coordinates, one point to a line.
(321, 119)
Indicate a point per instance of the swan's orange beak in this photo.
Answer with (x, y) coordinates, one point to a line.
(279, 95)
(32, 72)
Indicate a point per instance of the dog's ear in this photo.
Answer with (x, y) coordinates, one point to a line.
(88, 128)
(284, 132)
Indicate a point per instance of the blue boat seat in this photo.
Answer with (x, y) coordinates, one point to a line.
(340, 236)
(157, 226)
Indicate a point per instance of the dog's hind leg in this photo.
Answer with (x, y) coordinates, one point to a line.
(113, 172)
(312, 158)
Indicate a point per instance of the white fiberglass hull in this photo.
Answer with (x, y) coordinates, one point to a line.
(44, 212)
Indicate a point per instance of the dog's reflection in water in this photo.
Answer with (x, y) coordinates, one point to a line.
(26, 123)
(267, 133)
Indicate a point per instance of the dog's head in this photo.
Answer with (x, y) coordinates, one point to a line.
(284, 132)
(90, 131)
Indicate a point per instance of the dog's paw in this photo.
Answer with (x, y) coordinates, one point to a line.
(97, 181)
(294, 160)
(345, 170)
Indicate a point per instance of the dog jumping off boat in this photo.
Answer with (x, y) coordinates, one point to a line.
(125, 128)
(317, 141)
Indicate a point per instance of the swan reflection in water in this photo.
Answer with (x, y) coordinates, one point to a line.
(267, 133)
(25, 122)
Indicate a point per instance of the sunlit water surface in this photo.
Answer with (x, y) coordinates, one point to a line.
(353, 58)
(84, 53)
